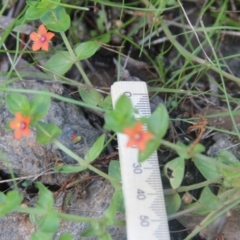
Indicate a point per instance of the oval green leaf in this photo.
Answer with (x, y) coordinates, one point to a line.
(56, 20)
(174, 171)
(173, 203)
(86, 50)
(60, 63)
(90, 95)
(17, 102)
(39, 107)
(95, 150)
(207, 169)
(158, 122)
(47, 132)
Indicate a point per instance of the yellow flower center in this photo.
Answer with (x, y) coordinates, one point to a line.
(137, 136)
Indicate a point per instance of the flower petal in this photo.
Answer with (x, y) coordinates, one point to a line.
(26, 132)
(13, 124)
(129, 131)
(34, 36)
(147, 136)
(50, 35)
(27, 120)
(18, 117)
(45, 45)
(141, 146)
(131, 143)
(42, 30)
(36, 46)
(138, 127)
(18, 134)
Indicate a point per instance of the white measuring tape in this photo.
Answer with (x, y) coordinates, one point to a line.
(142, 187)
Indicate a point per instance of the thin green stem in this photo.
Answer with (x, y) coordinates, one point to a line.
(69, 6)
(82, 162)
(70, 217)
(193, 186)
(4, 7)
(74, 58)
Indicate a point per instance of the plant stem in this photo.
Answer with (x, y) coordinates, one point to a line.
(75, 218)
(70, 217)
(69, 6)
(192, 187)
(82, 162)
(74, 58)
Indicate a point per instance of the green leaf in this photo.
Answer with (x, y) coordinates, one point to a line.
(101, 19)
(105, 236)
(34, 13)
(230, 177)
(69, 168)
(207, 168)
(173, 203)
(17, 102)
(150, 148)
(9, 202)
(41, 236)
(121, 117)
(177, 167)
(115, 172)
(106, 103)
(158, 122)
(201, 210)
(32, 3)
(56, 20)
(47, 132)
(209, 200)
(39, 107)
(66, 236)
(45, 199)
(49, 223)
(50, 4)
(116, 205)
(227, 157)
(59, 63)
(104, 38)
(90, 95)
(89, 231)
(95, 150)
(186, 152)
(97, 228)
(86, 49)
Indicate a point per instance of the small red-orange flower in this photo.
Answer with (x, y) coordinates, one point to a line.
(137, 136)
(21, 125)
(41, 38)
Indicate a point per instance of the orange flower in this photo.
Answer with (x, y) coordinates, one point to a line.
(41, 38)
(21, 125)
(137, 136)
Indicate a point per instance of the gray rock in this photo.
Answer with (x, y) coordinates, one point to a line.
(17, 226)
(224, 142)
(27, 157)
